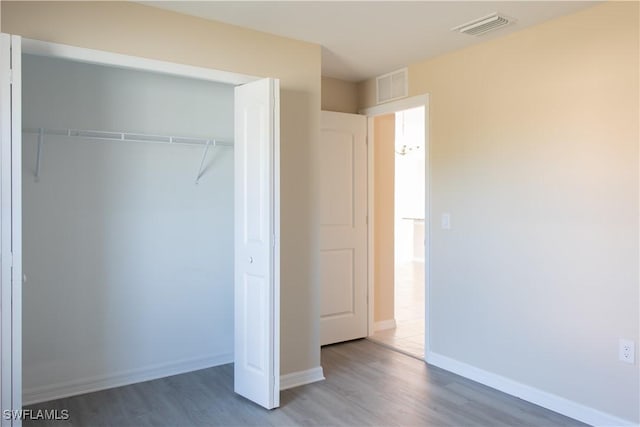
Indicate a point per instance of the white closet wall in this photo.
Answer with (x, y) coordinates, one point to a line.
(129, 262)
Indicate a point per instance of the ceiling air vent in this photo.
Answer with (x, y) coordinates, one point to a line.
(483, 25)
(392, 86)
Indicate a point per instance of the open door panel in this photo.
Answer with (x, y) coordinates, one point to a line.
(257, 289)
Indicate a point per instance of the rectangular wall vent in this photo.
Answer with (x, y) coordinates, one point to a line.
(391, 86)
(483, 25)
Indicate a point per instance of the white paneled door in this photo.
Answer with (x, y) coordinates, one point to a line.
(10, 230)
(342, 170)
(257, 290)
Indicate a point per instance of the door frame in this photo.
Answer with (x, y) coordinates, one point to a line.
(11, 224)
(103, 57)
(106, 58)
(371, 113)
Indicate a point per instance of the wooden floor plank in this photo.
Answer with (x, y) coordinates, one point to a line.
(367, 385)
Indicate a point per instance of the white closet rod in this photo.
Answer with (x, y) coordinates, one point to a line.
(124, 137)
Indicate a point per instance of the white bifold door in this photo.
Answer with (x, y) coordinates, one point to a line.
(257, 231)
(257, 290)
(10, 231)
(342, 170)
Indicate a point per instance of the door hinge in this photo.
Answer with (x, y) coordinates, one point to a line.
(10, 76)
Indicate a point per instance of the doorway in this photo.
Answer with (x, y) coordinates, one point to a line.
(399, 231)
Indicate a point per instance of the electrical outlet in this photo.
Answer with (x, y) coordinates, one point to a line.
(627, 351)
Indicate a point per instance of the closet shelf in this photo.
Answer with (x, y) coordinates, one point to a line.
(124, 137)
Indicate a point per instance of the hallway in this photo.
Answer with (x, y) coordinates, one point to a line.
(408, 335)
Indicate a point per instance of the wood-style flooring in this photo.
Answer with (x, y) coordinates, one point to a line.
(366, 385)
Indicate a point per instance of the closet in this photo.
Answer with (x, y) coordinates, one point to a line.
(127, 258)
(149, 210)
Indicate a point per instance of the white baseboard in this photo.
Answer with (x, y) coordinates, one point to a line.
(530, 394)
(384, 325)
(299, 378)
(102, 382)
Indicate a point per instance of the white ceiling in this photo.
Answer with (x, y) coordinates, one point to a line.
(362, 39)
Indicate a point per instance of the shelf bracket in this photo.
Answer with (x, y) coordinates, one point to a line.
(204, 157)
(39, 153)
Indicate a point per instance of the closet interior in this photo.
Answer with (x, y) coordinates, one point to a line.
(128, 226)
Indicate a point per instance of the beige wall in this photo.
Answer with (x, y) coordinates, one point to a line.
(534, 152)
(140, 30)
(384, 202)
(339, 95)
